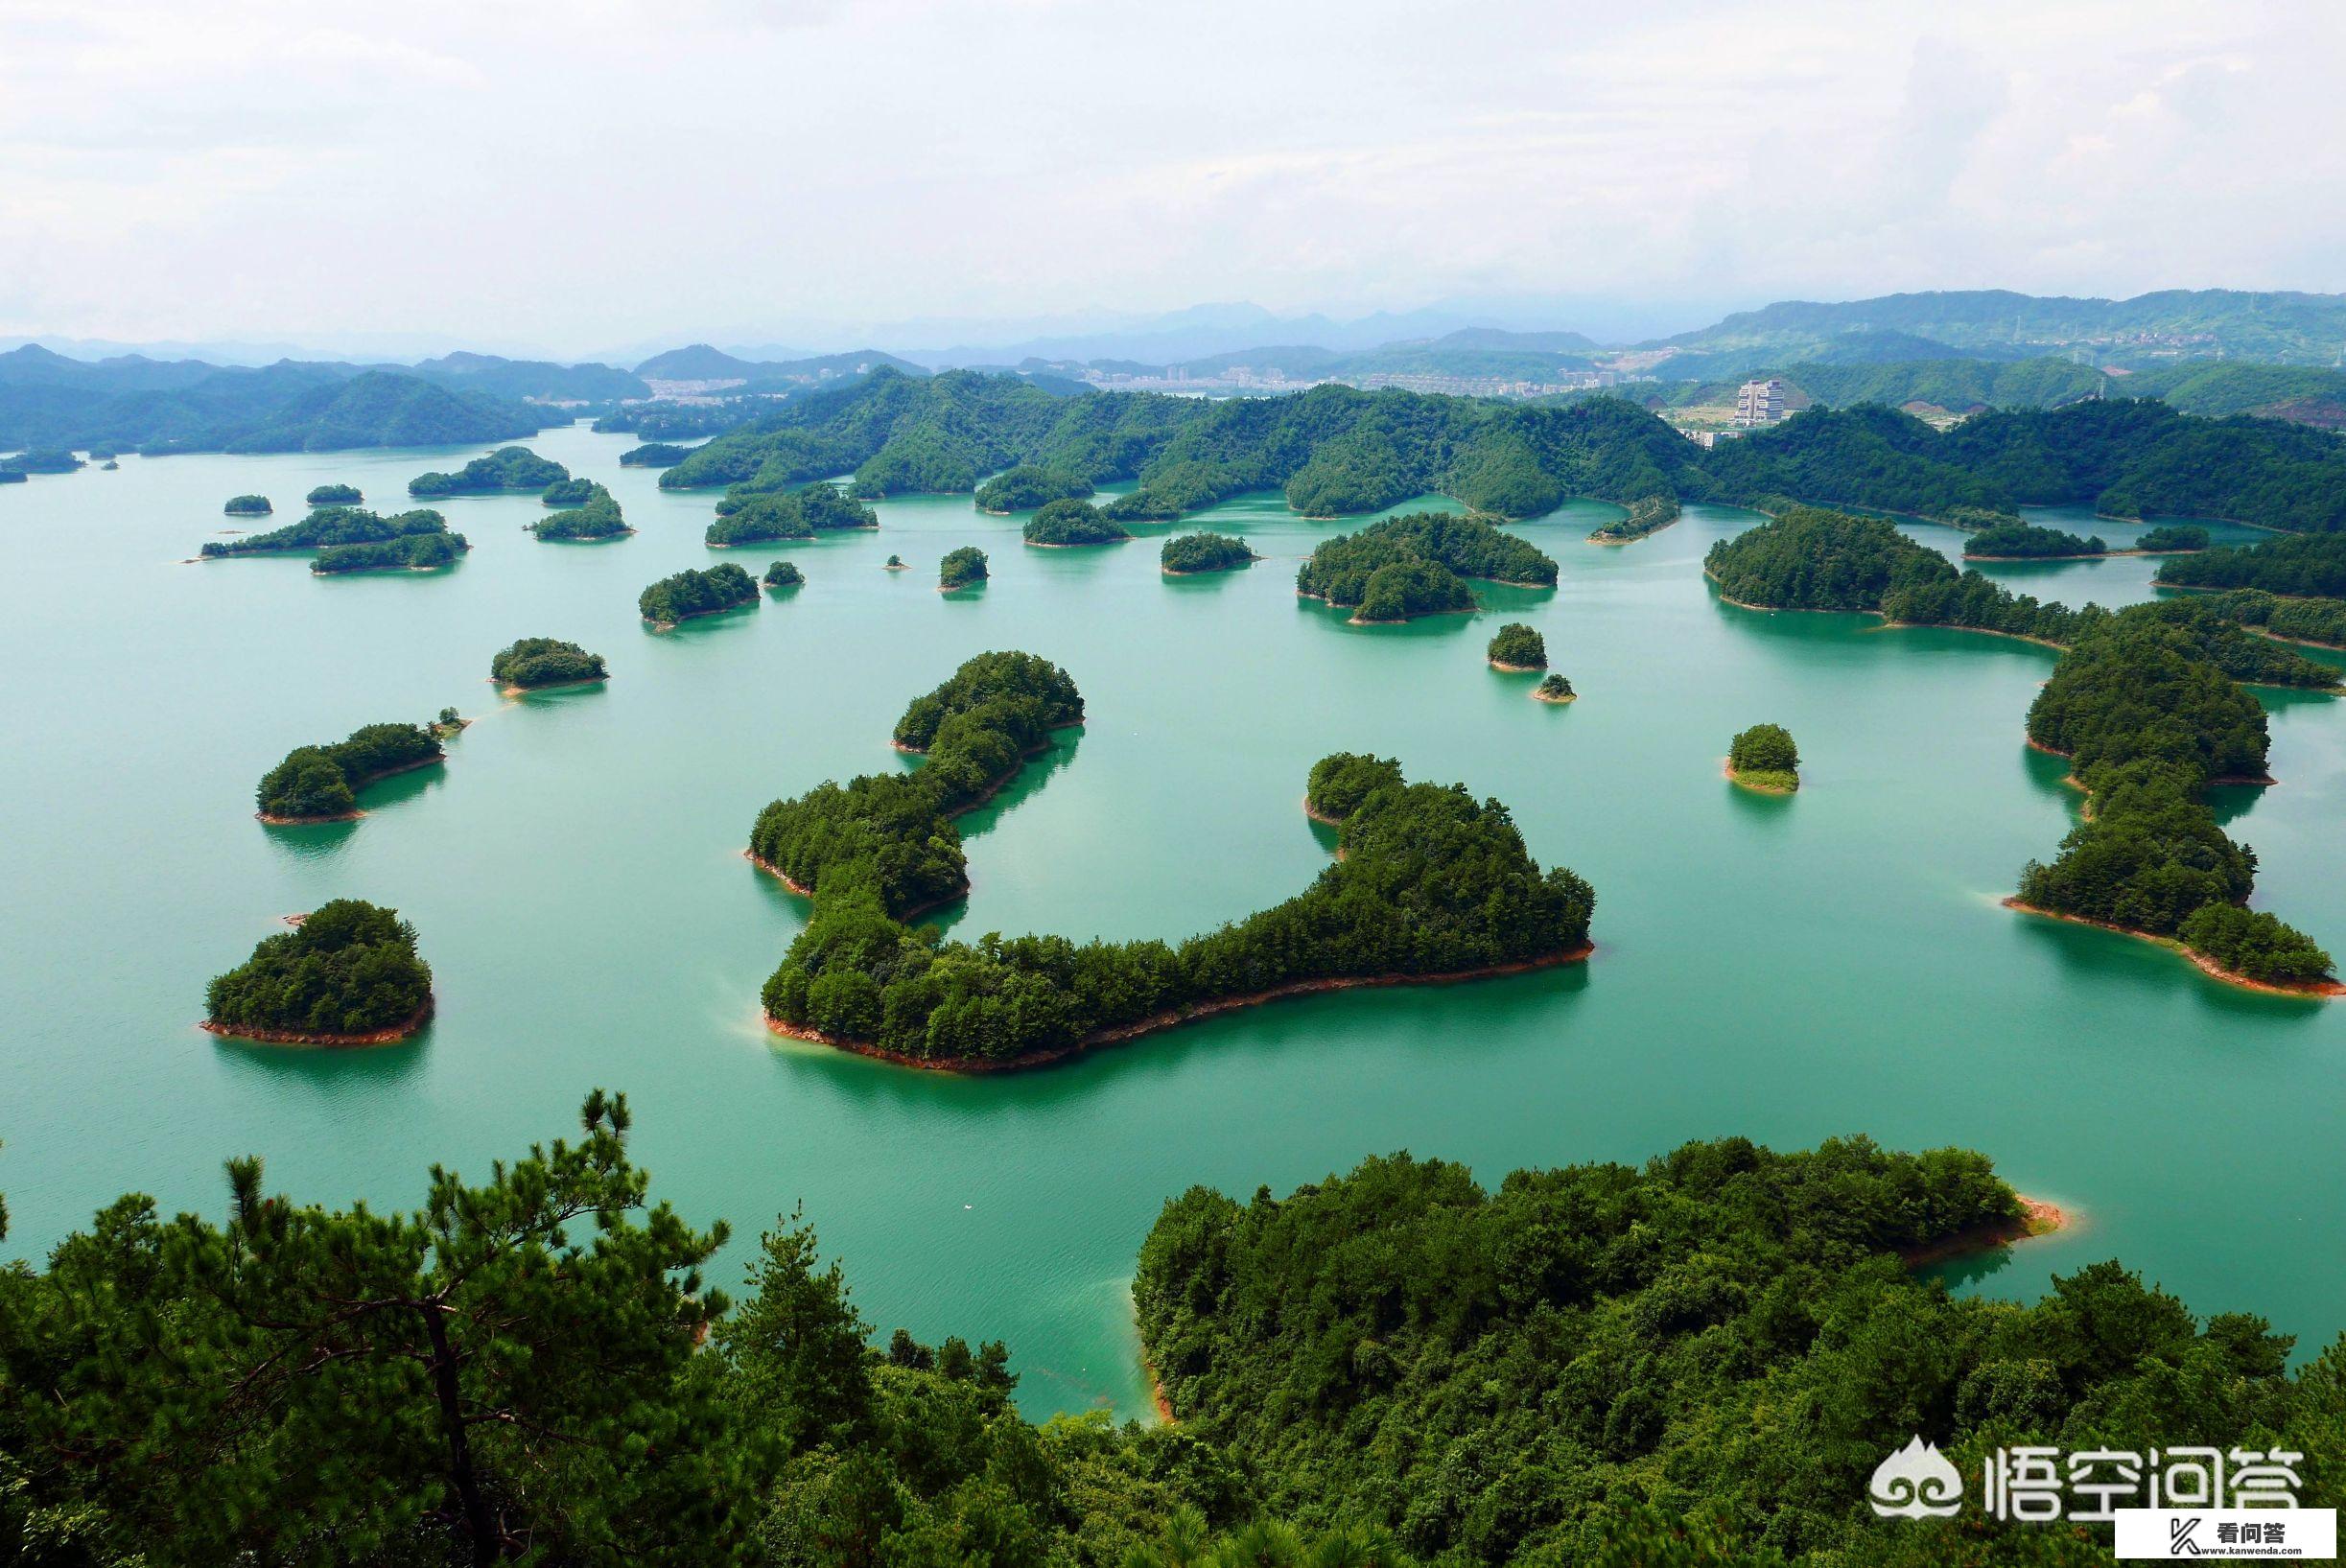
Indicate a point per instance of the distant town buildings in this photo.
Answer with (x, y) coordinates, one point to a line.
(1759, 402)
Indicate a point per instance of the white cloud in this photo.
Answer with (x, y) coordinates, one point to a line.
(602, 171)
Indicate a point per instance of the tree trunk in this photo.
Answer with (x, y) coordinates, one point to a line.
(487, 1544)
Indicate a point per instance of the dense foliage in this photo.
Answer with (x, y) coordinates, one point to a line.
(2313, 567)
(960, 567)
(694, 593)
(331, 525)
(1071, 522)
(796, 514)
(889, 835)
(1030, 485)
(1647, 514)
(1188, 553)
(508, 468)
(348, 969)
(317, 782)
(596, 516)
(545, 661)
(782, 574)
(1764, 755)
(1552, 687)
(412, 552)
(1811, 559)
(243, 505)
(1428, 882)
(2321, 620)
(2174, 537)
(2028, 542)
(336, 495)
(1727, 1334)
(1410, 565)
(1340, 781)
(1518, 646)
(654, 454)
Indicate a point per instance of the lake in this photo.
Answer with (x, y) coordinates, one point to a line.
(1785, 969)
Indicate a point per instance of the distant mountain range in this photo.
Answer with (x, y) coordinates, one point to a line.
(700, 363)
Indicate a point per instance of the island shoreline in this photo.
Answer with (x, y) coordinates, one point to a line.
(303, 1036)
(2309, 990)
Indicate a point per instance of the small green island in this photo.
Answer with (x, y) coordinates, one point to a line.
(1414, 565)
(347, 974)
(508, 468)
(247, 506)
(1648, 514)
(329, 527)
(412, 552)
(320, 783)
(335, 495)
(1188, 554)
(575, 491)
(1072, 525)
(654, 454)
(1029, 485)
(2171, 539)
(2018, 541)
(1517, 649)
(1762, 757)
(792, 514)
(1554, 688)
(46, 461)
(894, 563)
(532, 664)
(781, 575)
(694, 593)
(1429, 884)
(963, 568)
(596, 516)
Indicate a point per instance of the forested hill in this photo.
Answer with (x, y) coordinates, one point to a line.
(2277, 327)
(157, 407)
(1338, 451)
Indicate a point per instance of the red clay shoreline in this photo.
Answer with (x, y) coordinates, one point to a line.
(300, 1036)
(1188, 1013)
(2036, 1218)
(2312, 989)
(355, 813)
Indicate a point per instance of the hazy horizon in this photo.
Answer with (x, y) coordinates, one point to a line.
(601, 181)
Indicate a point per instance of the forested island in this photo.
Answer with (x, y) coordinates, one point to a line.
(248, 506)
(1185, 554)
(597, 515)
(1554, 688)
(654, 454)
(2172, 539)
(2318, 621)
(1648, 514)
(2143, 701)
(347, 974)
(1517, 649)
(508, 468)
(2312, 567)
(796, 514)
(1412, 566)
(327, 527)
(1069, 524)
(411, 552)
(2027, 542)
(960, 567)
(882, 848)
(1764, 758)
(336, 495)
(693, 593)
(533, 663)
(44, 461)
(1540, 1365)
(575, 491)
(1030, 485)
(781, 575)
(1337, 451)
(320, 783)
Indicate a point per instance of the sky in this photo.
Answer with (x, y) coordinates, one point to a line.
(597, 176)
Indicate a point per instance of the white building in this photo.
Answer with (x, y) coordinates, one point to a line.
(1759, 402)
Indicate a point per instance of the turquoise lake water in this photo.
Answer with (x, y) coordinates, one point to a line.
(1785, 969)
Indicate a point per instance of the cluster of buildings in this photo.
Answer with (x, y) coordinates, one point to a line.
(1760, 403)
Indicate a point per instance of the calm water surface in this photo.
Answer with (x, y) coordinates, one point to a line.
(1785, 969)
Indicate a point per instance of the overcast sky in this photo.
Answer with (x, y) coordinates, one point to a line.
(583, 175)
